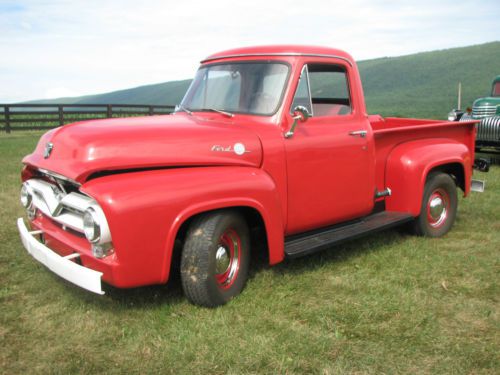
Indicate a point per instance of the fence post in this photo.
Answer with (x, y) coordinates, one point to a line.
(109, 111)
(61, 115)
(7, 118)
(151, 112)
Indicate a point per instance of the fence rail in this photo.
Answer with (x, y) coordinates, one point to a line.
(48, 116)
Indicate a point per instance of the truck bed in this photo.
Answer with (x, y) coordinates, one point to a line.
(391, 131)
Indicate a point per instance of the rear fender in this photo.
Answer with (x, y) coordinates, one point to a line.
(409, 164)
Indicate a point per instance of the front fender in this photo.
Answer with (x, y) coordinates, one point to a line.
(146, 209)
(409, 164)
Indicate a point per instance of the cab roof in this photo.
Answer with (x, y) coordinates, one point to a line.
(282, 50)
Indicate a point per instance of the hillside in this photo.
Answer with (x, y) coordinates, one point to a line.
(425, 84)
(167, 93)
(418, 85)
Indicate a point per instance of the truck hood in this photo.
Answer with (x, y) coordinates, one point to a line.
(79, 150)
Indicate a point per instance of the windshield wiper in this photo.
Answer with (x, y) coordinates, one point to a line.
(228, 114)
(184, 109)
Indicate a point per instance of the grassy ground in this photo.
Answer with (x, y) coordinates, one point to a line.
(391, 303)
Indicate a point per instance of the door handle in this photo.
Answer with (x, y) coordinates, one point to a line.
(361, 133)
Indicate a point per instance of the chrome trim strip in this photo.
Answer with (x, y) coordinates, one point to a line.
(309, 90)
(84, 277)
(58, 176)
(282, 54)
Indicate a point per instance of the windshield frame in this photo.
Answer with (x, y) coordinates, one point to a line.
(233, 62)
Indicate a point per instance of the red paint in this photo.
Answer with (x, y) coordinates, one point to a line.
(186, 165)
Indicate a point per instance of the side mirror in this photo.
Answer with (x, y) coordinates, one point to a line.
(300, 113)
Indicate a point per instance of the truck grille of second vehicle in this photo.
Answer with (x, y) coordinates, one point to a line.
(483, 111)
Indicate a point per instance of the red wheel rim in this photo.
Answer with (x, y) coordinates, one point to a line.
(438, 207)
(227, 258)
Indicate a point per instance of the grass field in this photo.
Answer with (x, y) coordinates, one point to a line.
(390, 303)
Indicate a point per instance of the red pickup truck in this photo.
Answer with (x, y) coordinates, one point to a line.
(275, 139)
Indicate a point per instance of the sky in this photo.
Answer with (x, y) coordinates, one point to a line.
(55, 48)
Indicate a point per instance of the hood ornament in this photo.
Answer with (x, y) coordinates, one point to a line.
(48, 149)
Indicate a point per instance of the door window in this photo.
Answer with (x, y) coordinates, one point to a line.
(324, 90)
(303, 93)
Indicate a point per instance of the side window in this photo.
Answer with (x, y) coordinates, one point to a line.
(329, 90)
(303, 94)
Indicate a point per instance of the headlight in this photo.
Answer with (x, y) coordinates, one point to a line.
(25, 196)
(452, 116)
(91, 225)
(455, 115)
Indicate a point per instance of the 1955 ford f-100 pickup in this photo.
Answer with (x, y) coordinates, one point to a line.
(273, 138)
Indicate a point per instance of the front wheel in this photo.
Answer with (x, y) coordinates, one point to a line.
(439, 206)
(215, 258)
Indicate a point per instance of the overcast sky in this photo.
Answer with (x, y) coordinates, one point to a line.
(54, 48)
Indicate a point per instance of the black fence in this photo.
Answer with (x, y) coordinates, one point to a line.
(48, 116)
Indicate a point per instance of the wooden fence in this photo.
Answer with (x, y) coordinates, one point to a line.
(48, 116)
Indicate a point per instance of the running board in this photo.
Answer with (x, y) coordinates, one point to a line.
(310, 242)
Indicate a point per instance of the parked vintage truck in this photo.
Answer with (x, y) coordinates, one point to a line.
(487, 111)
(270, 140)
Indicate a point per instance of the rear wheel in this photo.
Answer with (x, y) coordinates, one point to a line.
(215, 258)
(439, 206)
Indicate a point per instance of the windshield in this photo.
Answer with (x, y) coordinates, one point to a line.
(250, 88)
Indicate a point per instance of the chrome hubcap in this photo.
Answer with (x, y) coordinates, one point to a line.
(437, 209)
(227, 258)
(222, 260)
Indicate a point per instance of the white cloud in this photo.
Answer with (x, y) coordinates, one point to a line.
(98, 46)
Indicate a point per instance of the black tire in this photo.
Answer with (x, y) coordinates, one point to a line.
(439, 206)
(209, 237)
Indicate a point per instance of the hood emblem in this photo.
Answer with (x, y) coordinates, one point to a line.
(48, 149)
(237, 148)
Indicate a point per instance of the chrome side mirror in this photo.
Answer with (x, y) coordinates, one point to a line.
(300, 113)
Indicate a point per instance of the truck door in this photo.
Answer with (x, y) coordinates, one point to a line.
(331, 156)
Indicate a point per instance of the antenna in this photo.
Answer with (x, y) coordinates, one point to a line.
(459, 95)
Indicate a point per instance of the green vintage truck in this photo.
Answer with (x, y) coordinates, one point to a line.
(487, 110)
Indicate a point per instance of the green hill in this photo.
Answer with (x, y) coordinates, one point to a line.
(426, 84)
(418, 85)
(168, 93)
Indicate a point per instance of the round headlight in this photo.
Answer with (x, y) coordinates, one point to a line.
(91, 226)
(25, 196)
(452, 116)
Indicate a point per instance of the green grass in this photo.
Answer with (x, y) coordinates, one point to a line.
(390, 303)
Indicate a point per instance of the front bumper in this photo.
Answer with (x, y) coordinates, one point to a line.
(63, 266)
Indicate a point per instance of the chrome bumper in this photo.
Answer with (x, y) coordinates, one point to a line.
(62, 266)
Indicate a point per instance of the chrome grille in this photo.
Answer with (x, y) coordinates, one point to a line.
(489, 129)
(66, 209)
(483, 111)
